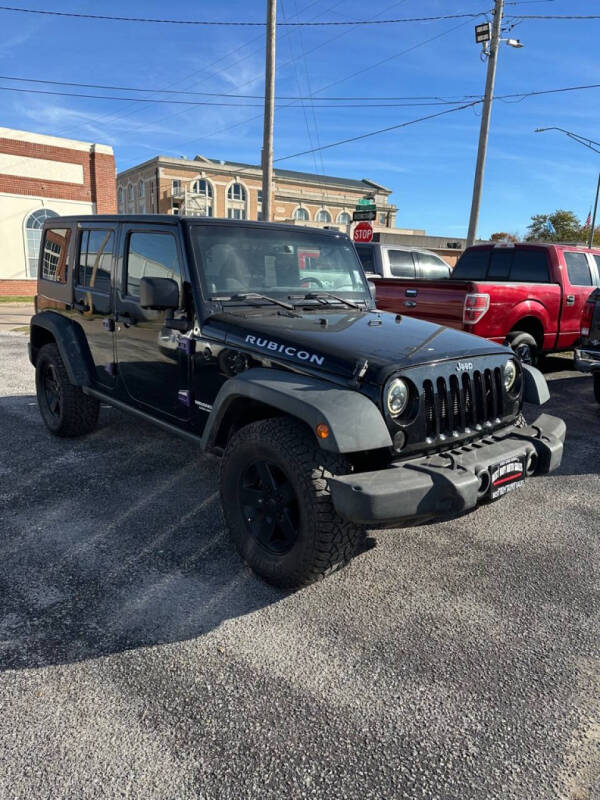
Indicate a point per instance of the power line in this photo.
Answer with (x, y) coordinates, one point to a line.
(552, 16)
(380, 130)
(212, 103)
(227, 23)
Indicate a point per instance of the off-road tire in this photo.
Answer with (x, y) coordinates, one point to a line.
(523, 343)
(325, 542)
(597, 386)
(77, 413)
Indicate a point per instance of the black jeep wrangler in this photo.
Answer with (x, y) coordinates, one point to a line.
(262, 343)
(587, 352)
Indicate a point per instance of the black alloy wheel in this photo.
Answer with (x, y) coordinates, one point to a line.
(525, 353)
(270, 507)
(52, 390)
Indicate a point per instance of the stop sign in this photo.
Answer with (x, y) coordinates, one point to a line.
(363, 232)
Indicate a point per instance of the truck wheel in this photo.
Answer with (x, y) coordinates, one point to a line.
(525, 347)
(278, 507)
(65, 409)
(597, 386)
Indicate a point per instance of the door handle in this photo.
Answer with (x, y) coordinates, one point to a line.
(81, 305)
(108, 324)
(410, 303)
(570, 299)
(411, 292)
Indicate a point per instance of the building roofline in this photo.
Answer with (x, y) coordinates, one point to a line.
(54, 141)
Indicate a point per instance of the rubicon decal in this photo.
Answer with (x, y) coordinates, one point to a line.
(286, 349)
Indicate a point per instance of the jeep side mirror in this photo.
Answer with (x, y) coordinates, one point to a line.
(160, 294)
(373, 289)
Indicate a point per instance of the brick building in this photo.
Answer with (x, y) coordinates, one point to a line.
(206, 187)
(41, 177)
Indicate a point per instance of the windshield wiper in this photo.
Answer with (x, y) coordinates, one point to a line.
(321, 297)
(256, 296)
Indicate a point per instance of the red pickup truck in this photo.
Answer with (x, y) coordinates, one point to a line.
(530, 296)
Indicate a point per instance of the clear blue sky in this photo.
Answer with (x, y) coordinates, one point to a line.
(429, 166)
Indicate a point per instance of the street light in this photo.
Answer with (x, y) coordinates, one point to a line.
(592, 145)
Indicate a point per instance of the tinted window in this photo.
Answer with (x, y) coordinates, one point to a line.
(472, 265)
(365, 253)
(530, 266)
(94, 263)
(578, 269)
(401, 263)
(150, 255)
(54, 254)
(433, 267)
(500, 264)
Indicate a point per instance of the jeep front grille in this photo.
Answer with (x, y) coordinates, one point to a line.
(463, 402)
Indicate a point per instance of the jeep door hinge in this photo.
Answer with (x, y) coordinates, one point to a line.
(185, 397)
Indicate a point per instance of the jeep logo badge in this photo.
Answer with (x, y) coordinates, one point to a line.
(464, 366)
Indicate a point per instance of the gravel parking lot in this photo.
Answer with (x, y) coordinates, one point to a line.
(140, 659)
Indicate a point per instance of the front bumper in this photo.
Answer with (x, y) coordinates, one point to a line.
(587, 360)
(446, 483)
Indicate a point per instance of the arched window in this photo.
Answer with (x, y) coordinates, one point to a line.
(343, 218)
(130, 193)
(141, 189)
(301, 214)
(33, 236)
(203, 203)
(120, 198)
(323, 216)
(236, 201)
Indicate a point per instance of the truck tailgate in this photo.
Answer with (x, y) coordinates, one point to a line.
(435, 301)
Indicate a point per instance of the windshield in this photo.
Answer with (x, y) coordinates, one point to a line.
(234, 260)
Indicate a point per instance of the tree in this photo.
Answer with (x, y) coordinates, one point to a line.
(559, 226)
(503, 237)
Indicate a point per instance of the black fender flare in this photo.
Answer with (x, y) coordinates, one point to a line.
(71, 343)
(535, 388)
(355, 423)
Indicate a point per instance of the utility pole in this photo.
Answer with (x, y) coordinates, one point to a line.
(485, 121)
(267, 151)
(591, 242)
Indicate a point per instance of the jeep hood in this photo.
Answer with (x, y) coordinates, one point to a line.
(335, 341)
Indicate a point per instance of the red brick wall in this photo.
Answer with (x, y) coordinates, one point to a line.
(99, 177)
(24, 288)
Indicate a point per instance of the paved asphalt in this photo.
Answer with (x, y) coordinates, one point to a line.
(139, 659)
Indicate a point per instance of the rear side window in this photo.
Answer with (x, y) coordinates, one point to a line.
(150, 255)
(432, 267)
(401, 264)
(94, 263)
(530, 266)
(54, 254)
(365, 253)
(472, 265)
(578, 269)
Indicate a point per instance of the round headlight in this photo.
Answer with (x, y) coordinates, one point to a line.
(510, 375)
(397, 397)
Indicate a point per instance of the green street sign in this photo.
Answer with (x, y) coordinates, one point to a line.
(365, 201)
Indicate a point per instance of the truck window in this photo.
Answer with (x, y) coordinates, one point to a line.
(401, 263)
(578, 269)
(365, 253)
(500, 263)
(54, 254)
(94, 261)
(530, 266)
(597, 259)
(472, 265)
(150, 255)
(433, 268)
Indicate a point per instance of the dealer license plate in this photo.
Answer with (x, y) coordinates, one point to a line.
(506, 476)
